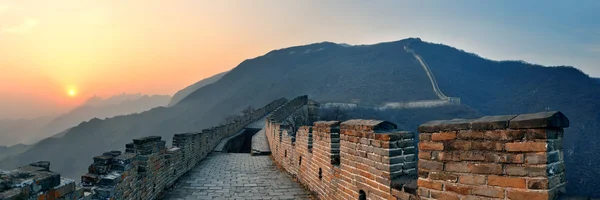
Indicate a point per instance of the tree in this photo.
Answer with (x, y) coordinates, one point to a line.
(248, 110)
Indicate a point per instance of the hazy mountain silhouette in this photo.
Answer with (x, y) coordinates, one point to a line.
(15, 131)
(597, 79)
(189, 89)
(369, 73)
(29, 131)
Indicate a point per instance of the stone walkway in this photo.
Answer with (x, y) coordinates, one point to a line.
(236, 176)
(260, 145)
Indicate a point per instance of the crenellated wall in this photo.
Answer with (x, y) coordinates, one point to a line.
(494, 157)
(503, 157)
(143, 171)
(345, 160)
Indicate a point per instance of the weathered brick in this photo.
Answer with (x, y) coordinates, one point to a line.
(429, 184)
(537, 184)
(472, 156)
(515, 170)
(424, 136)
(446, 156)
(504, 135)
(458, 189)
(435, 146)
(536, 158)
(444, 195)
(528, 195)
(443, 136)
(504, 157)
(470, 135)
(457, 167)
(443, 177)
(425, 155)
(472, 179)
(485, 168)
(526, 147)
(507, 182)
(459, 145)
(487, 145)
(431, 165)
(484, 191)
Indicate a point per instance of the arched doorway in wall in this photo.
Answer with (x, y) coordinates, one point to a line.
(362, 195)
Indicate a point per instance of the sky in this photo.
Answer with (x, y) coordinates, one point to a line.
(49, 49)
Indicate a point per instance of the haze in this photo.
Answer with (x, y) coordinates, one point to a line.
(109, 47)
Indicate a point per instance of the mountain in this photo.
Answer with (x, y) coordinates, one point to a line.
(597, 79)
(373, 74)
(28, 131)
(189, 89)
(12, 150)
(16, 131)
(96, 107)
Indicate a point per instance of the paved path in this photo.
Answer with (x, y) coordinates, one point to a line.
(260, 145)
(236, 176)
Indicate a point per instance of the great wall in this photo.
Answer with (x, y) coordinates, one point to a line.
(495, 157)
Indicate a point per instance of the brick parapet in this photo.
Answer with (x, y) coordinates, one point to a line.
(143, 171)
(339, 160)
(501, 157)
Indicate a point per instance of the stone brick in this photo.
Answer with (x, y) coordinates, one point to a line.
(507, 182)
(504, 135)
(537, 184)
(527, 194)
(431, 165)
(459, 145)
(424, 136)
(526, 147)
(504, 157)
(472, 156)
(536, 158)
(470, 135)
(487, 145)
(458, 189)
(440, 176)
(429, 184)
(435, 146)
(443, 136)
(444, 195)
(472, 179)
(457, 167)
(425, 155)
(484, 191)
(515, 170)
(485, 168)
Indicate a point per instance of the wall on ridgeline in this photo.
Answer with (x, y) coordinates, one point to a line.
(345, 160)
(143, 171)
(494, 157)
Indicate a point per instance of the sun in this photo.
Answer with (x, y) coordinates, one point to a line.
(72, 92)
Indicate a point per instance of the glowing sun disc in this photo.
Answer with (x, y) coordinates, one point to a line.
(72, 93)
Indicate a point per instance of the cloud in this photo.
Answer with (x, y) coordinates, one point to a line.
(23, 28)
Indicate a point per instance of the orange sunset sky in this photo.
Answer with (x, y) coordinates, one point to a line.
(103, 48)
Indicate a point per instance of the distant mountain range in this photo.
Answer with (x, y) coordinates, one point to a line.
(30, 131)
(375, 74)
(181, 94)
(597, 79)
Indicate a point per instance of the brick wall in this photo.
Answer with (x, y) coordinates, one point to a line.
(498, 157)
(346, 160)
(494, 157)
(143, 171)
